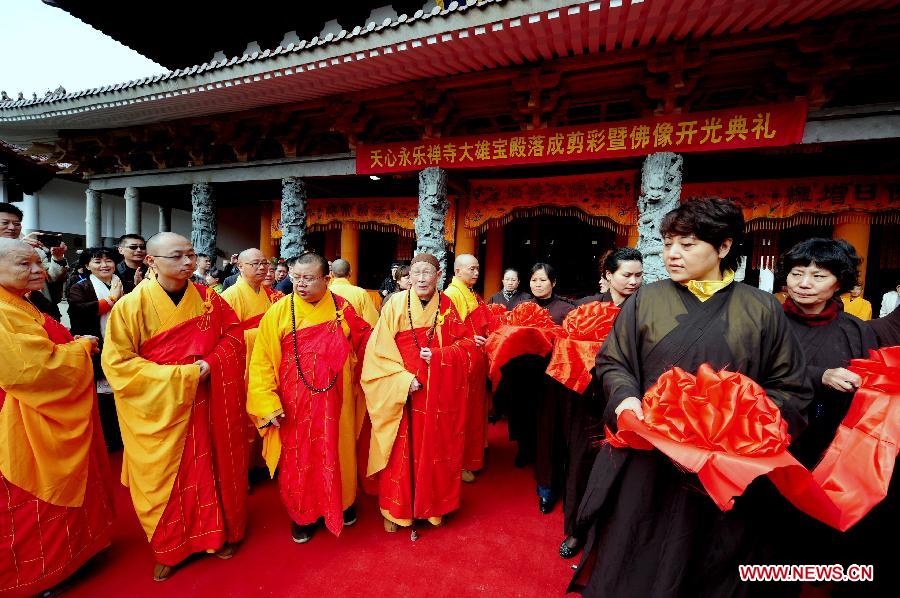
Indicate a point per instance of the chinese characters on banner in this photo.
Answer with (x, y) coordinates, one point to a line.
(770, 203)
(736, 128)
(609, 195)
(381, 213)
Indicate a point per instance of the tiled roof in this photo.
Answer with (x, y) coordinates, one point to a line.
(464, 37)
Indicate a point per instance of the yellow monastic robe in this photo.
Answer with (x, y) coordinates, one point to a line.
(247, 304)
(463, 298)
(263, 393)
(153, 401)
(45, 422)
(358, 298)
(858, 307)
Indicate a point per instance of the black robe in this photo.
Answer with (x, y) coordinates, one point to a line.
(650, 529)
(517, 298)
(806, 540)
(887, 329)
(533, 416)
(583, 430)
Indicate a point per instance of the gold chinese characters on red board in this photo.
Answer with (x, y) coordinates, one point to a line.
(749, 127)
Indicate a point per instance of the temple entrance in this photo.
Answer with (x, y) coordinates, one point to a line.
(376, 253)
(565, 242)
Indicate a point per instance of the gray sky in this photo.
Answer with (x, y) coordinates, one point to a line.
(42, 47)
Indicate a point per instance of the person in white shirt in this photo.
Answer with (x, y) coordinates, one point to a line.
(890, 301)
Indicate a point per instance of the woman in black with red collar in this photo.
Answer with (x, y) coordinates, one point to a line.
(817, 271)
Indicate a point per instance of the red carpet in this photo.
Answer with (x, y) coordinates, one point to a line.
(497, 543)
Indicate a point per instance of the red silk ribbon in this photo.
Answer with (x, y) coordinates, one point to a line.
(574, 355)
(527, 329)
(723, 427)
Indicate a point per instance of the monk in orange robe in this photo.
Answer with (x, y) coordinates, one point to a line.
(55, 481)
(302, 379)
(174, 356)
(416, 366)
(475, 315)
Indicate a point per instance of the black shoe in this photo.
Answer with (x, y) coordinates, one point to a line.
(546, 505)
(302, 533)
(349, 516)
(569, 547)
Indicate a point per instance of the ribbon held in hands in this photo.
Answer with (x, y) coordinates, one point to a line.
(528, 330)
(574, 355)
(723, 427)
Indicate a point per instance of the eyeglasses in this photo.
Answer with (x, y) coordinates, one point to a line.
(423, 274)
(135, 247)
(191, 257)
(304, 280)
(257, 265)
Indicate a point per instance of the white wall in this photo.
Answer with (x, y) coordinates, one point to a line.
(61, 209)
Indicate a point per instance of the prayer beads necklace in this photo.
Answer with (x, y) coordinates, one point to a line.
(303, 379)
(430, 335)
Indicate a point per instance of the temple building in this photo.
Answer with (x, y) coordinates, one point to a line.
(518, 130)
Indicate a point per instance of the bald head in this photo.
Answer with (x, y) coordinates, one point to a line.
(340, 268)
(465, 268)
(253, 266)
(159, 243)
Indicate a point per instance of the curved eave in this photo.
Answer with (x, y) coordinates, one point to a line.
(463, 38)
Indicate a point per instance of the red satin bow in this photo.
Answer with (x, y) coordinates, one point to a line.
(573, 357)
(528, 329)
(722, 426)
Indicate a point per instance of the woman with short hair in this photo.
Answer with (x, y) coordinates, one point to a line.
(90, 302)
(648, 530)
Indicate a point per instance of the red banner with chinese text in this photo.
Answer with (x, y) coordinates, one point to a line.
(772, 203)
(391, 214)
(736, 128)
(607, 195)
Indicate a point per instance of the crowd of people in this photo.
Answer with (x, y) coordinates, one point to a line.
(202, 375)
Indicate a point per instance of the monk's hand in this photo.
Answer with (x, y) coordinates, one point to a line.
(415, 385)
(841, 379)
(632, 404)
(204, 369)
(425, 354)
(95, 342)
(479, 341)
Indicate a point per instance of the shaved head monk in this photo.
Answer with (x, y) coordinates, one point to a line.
(174, 356)
(415, 376)
(475, 315)
(54, 472)
(302, 379)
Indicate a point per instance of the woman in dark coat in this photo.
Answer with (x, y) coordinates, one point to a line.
(649, 529)
(623, 271)
(817, 271)
(536, 413)
(90, 302)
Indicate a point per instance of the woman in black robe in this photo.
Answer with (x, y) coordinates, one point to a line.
(623, 272)
(535, 417)
(817, 271)
(650, 529)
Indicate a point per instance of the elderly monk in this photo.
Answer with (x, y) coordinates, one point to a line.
(174, 356)
(475, 315)
(416, 365)
(301, 395)
(56, 511)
